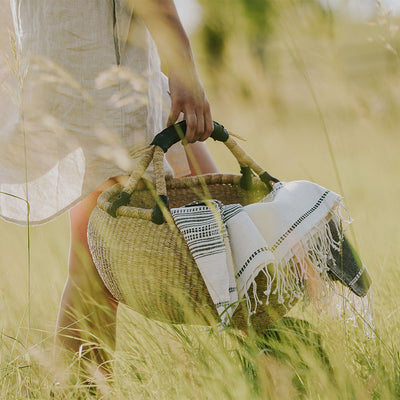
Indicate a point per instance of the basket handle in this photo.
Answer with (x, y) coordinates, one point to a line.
(175, 133)
(160, 145)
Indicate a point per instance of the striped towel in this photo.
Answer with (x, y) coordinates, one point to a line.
(228, 262)
(297, 231)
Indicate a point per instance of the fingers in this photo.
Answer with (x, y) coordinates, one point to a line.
(208, 124)
(191, 127)
(193, 103)
(199, 123)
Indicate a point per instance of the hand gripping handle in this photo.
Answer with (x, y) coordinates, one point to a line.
(160, 144)
(174, 133)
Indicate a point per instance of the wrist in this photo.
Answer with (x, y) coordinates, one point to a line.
(181, 62)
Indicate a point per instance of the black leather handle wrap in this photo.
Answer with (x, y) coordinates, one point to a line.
(267, 178)
(122, 200)
(157, 216)
(174, 133)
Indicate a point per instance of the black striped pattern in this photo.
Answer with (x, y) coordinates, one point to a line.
(224, 304)
(202, 228)
(299, 221)
(248, 261)
(230, 211)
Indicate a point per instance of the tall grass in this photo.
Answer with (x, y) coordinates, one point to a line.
(356, 89)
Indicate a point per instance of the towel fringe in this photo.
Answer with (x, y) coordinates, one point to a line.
(292, 273)
(354, 310)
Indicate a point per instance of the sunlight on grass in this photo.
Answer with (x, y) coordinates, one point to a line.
(355, 99)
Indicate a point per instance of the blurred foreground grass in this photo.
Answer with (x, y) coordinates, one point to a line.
(321, 77)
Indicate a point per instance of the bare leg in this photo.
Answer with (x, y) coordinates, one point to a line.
(86, 321)
(200, 160)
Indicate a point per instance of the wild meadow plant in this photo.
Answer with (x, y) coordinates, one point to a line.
(323, 109)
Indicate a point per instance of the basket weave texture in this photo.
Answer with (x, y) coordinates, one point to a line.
(149, 267)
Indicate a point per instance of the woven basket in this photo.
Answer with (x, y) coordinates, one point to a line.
(141, 255)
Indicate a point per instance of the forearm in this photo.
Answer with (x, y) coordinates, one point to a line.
(186, 90)
(162, 20)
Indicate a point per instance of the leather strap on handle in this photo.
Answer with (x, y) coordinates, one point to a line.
(160, 145)
(175, 133)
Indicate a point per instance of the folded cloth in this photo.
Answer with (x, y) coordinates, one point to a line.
(292, 235)
(304, 223)
(205, 234)
(250, 252)
(227, 263)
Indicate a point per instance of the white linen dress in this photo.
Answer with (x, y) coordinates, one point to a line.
(89, 97)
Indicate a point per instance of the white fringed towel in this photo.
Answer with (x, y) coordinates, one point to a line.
(288, 229)
(205, 235)
(294, 221)
(250, 252)
(227, 248)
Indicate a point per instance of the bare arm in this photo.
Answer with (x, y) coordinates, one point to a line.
(187, 92)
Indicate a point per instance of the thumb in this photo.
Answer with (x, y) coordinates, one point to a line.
(173, 114)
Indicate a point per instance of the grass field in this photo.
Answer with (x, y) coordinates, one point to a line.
(324, 84)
